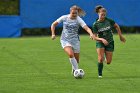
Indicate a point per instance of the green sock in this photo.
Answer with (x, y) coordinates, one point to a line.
(100, 68)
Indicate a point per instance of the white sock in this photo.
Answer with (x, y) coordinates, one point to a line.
(72, 67)
(74, 63)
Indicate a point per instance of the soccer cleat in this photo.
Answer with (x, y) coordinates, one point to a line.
(72, 72)
(100, 77)
(105, 61)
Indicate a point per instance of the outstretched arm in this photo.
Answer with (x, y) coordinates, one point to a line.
(119, 32)
(105, 42)
(54, 24)
(94, 36)
(89, 31)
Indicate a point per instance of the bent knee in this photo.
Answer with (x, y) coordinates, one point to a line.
(100, 59)
(71, 55)
(108, 62)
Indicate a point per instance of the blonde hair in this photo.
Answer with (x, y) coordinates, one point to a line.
(81, 12)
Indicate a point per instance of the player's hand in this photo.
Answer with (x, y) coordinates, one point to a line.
(53, 37)
(122, 39)
(105, 42)
(92, 37)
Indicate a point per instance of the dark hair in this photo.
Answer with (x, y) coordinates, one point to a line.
(97, 8)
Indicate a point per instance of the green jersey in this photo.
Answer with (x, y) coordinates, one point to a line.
(104, 29)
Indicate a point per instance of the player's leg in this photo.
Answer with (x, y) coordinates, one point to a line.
(76, 50)
(69, 50)
(108, 55)
(109, 52)
(70, 53)
(100, 52)
(76, 55)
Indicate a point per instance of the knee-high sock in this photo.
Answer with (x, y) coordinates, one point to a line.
(74, 63)
(100, 68)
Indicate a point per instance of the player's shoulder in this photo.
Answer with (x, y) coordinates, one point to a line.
(67, 15)
(95, 22)
(109, 19)
(79, 18)
(64, 16)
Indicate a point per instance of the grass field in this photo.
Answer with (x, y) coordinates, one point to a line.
(39, 65)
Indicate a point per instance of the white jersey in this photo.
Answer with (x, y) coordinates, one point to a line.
(70, 27)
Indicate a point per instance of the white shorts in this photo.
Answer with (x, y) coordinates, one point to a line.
(75, 45)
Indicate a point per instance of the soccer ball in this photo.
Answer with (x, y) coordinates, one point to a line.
(79, 73)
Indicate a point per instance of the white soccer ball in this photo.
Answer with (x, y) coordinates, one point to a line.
(79, 73)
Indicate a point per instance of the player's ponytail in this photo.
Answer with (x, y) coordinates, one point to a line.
(81, 12)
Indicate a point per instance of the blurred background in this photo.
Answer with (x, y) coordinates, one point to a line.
(20, 18)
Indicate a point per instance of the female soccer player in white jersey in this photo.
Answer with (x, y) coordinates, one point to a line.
(69, 37)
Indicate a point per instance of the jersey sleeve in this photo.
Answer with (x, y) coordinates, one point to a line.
(112, 22)
(60, 19)
(81, 22)
(94, 28)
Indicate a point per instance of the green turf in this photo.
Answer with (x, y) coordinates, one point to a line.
(39, 65)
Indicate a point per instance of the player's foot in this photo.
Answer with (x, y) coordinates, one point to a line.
(72, 72)
(100, 77)
(105, 60)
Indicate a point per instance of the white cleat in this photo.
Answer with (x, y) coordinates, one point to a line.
(72, 72)
(105, 61)
(100, 77)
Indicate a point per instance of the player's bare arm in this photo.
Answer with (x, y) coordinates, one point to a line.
(54, 24)
(89, 31)
(119, 32)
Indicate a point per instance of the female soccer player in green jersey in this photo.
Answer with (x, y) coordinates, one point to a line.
(102, 28)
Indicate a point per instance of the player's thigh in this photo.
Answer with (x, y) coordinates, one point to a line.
(76, 49)
(69, 51)
(76, 46)
(100, 52)
(109, 55)
(67, 48)
(110, 47)
(76, 55)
